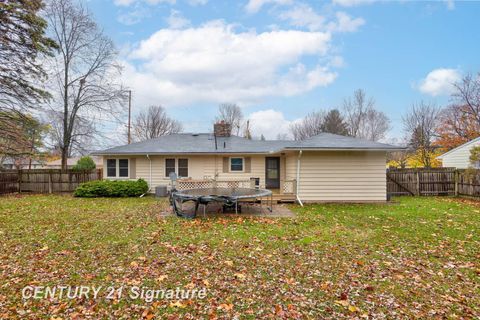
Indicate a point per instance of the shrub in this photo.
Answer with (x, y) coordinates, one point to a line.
(84, 163)
(111, 188)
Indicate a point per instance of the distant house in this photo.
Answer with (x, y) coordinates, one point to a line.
(57, 164)
(20, 164)
(326, 167)
(460, 156)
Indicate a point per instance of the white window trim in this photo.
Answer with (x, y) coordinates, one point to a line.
(165, 166)
(176, 165)
(230, 165)
(117, 169)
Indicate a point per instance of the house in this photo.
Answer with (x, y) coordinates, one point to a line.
(326, 167)
(57, 164)
(22, 163)
(460, 156)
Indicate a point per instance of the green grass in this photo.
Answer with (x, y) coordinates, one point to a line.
(416, 258)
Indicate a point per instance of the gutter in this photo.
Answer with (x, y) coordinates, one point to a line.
(149, 178)
(346, 149)
(298, 178)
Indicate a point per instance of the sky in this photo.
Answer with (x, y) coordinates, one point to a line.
(281, 59)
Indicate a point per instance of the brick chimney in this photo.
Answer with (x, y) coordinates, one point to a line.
(222, 129)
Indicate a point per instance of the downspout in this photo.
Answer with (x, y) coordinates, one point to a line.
(149, 178)
(298, 177)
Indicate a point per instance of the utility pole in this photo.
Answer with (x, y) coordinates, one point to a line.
(129, 115)
(31, 149)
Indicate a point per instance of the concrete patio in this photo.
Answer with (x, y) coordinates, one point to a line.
(247, 209)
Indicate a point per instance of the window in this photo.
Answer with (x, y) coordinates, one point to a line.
(123, 167)
(178, 166)
(183, 167)
(236, 164)
(169, 166)
(111, 167)
(121, 164)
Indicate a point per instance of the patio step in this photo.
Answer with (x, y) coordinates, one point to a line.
(280, 198)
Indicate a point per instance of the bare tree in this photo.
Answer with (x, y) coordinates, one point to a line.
(362, 119)
(375, 126)
(231, 113)
(247, 134)
(309, 126)
(399, 159)
(420, 125)
(282, 136)
(83, 70)
(461, 120)
(83, 137)
(467, 94)
(154, 123)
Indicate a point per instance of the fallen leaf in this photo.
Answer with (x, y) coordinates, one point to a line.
(240, 276)
(353, 308)
(161, 278)
(226, 306)
(342, 303)
(177, 304)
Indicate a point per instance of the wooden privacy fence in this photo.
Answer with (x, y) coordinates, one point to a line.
(45, 180)
(433, 181)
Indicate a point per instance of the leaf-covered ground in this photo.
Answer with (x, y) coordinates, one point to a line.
(417, 258)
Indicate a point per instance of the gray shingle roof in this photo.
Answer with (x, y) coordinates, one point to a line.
(335, 141)
(188, 143)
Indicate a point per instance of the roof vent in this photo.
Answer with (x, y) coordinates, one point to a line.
(195, 135)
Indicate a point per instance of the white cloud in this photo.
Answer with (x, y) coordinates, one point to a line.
(253, 6)
(440, 82)
(352, 3)
(304, 16)
(345, 23)
(337, 62)
(215, 63)
(152, 2)
(197, 2)
(269, 122)
(176, 20)
(133, 16)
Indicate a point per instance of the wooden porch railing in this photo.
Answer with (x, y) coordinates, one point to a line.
(286, 187)
(183, 184)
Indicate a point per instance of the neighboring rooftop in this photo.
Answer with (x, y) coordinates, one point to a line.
(72, 161)
(459, 147)
(188, 143)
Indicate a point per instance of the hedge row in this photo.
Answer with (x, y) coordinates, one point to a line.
(111, 188)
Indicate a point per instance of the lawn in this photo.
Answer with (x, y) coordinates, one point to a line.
(416, 258)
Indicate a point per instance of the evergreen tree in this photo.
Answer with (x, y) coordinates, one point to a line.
(22, 31)
(334, 123)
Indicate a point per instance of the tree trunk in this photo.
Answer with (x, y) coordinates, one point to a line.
(66, 139)
(64, 158)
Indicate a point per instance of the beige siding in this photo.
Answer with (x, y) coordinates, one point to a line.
(459, 158)
(342, 176)
(257, 170)
(291, 166)
(199, 167)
